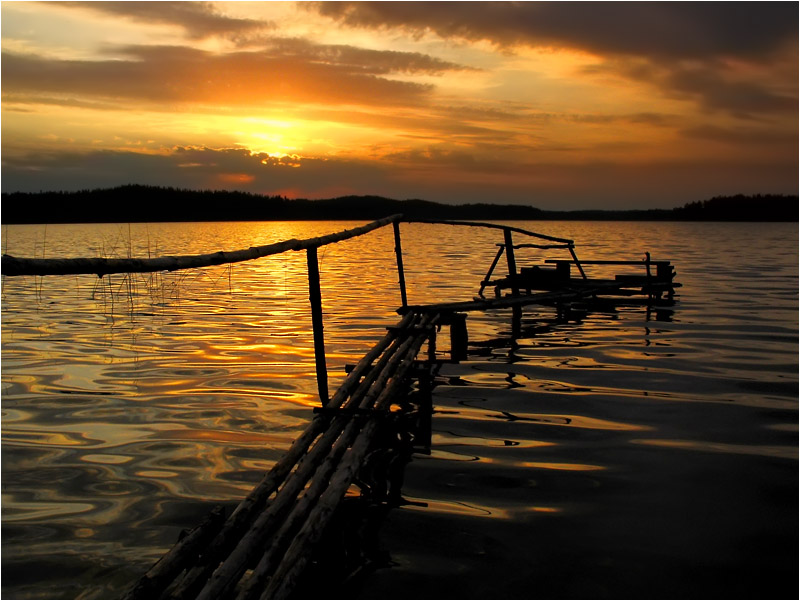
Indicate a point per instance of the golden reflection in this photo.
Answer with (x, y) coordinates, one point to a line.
(564, 467)
(221, 436)
(776, 451)
(23, 511)
(541, 509)
(156, 474)
(452, 439)
(459, 508)
(452, 456)
(591, 423)
(57, 439)
(106, 459)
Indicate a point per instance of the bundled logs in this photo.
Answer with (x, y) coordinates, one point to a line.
(261, 550)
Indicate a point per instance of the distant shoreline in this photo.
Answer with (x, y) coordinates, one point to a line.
(150, 204)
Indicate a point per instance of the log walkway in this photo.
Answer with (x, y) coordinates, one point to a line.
(365, 432)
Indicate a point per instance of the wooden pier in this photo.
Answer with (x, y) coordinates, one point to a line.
(365, 432)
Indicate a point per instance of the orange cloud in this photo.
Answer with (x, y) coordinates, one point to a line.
(235, 178)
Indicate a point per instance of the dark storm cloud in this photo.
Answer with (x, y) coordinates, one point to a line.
(180, 74)
(689, 50)
(198, 19)
(741, 98)
(653, 29)
(713, 85)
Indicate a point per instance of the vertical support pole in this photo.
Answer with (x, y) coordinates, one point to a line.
(398, 251)
(516, 322)
(315, 297)
(512, 262)
(432, 346)
(459, 338)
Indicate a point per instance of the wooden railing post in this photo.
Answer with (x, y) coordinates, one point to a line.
(315, 297)
(512, 262)
(398, 251)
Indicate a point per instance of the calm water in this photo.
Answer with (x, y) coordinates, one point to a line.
(628, 455)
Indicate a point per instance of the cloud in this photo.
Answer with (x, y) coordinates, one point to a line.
(784, 142)
(438, 175)
(198, 19)
(714, 85)
(189, 167)
(691, 50)
(715, 92)
(379, 62)
(675, 30)
(162, 74)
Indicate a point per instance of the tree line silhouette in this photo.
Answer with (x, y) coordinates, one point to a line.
(138, 203)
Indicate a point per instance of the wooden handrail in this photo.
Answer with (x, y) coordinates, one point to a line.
(14, 266)
(492, 226)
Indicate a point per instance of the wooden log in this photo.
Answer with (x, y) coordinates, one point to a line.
(485, 280)
(512, 263)
(541, 246)
(15, 266)
(225, 577)
(297, 556)
(393, 371)
(577, 262)
(398, 251)
(490, 226)
(243, 516)
(315, 298)
(610, 262)
(501, 303)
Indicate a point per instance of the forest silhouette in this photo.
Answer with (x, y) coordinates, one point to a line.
(138, 203)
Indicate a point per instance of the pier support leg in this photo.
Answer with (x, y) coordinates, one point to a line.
(315, 297)
(459, 339)
(516, 322)
(512, 262)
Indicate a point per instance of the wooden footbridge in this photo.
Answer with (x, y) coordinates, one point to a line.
(365, 432)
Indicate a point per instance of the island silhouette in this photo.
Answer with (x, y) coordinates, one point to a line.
(141, 204)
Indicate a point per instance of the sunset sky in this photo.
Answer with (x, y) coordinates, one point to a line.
(559, 105)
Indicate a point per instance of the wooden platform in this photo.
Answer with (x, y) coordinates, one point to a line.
(263, 547)
(362, 435)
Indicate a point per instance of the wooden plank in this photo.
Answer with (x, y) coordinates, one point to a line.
(641, 263)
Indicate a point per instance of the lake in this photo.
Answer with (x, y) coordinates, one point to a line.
(633, 453)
